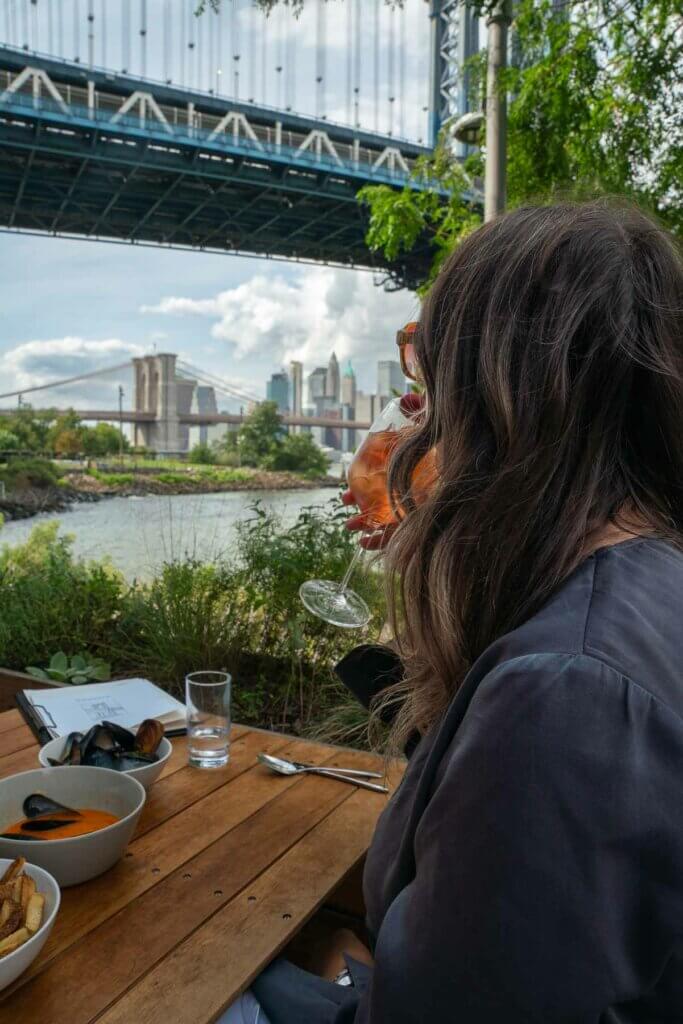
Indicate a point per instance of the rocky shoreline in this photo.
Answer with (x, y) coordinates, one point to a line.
(79, 488)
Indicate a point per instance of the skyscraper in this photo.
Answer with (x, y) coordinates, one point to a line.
(332, 383)
(348, 386)
(296, 374)
(277, 390)
(389, 378)
(317, 382)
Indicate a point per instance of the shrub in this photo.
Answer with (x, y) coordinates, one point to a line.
(189, 617)
(49, 600)
(202, 454)
(24, 474)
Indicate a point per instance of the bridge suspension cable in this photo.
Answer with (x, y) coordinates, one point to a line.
(320, 42)
(231, 50)
(67, 380)
(210, 379)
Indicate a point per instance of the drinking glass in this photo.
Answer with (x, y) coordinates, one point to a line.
(335, 602)
(207, 703)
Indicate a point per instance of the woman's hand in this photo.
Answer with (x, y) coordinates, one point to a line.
(370, 541)
(410, 405)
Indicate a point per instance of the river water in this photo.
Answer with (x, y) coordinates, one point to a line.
(139, 534)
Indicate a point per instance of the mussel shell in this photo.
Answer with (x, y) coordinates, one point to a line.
(46, 824)
(97, 758)
(37, 805)
(98, 738)
(149, 736)
(71, 754)
(123, 738)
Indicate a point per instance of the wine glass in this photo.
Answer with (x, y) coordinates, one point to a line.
(335, 602)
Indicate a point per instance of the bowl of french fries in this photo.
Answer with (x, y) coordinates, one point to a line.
(29, 901)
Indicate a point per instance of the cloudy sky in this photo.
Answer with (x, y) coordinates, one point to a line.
(71, 306)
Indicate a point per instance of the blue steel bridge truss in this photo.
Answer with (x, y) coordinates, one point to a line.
(90, 153)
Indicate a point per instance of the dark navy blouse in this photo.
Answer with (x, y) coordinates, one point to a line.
(529, 870)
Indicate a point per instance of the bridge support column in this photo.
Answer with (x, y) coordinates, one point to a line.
(157, 390)
(455, 38)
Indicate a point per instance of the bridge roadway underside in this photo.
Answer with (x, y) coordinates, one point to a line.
(204, 419)
(70, 174)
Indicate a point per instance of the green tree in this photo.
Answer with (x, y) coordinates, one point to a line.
(103, 439)
(66, 434)
(9, 442)
(260, 434)
(298, 453)
(30, 427)
(594, 109)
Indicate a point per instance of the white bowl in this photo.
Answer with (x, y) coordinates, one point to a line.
(74, 860)
(147, 775)
(14, 964)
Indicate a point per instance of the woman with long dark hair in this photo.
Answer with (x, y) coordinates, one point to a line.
(529, 870)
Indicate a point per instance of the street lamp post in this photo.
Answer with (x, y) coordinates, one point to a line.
(120, 424)
(496, 110)
(467, 128)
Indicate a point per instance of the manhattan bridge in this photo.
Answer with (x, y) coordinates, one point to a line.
(138, 121)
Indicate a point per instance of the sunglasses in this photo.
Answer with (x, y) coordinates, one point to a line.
(405, 339)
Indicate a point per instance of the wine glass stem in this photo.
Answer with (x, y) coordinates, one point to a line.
(352, 566)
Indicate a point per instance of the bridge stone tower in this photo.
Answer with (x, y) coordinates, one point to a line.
(160, 391)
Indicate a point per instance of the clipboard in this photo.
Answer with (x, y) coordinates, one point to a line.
(77, 708)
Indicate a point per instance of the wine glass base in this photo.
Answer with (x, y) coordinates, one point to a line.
(339, 607)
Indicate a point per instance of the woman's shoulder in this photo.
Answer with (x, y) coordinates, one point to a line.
(617, 619)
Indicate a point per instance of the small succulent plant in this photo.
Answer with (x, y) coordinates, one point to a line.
(81, 668)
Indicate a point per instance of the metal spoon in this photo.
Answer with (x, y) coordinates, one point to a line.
(282, 767)
(339, 771)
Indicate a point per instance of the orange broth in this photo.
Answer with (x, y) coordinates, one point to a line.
(89, 821)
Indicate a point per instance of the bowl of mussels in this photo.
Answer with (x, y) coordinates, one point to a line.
(141, 754)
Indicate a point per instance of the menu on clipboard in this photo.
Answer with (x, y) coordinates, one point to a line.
(60, 710)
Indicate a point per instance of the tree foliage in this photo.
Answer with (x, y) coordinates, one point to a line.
(262, 442)
(594, 109)
(49, 432)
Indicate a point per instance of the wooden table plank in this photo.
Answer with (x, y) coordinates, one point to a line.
(166, 914)
(203, 975)
(17, 738)
(10, 720)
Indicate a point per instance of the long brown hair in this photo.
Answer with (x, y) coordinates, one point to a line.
(551, 347)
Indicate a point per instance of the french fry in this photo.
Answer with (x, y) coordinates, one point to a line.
(18, 885)
(14, 920)
(15, 868)
(6, 891)
(6, 909)
(13, 941)
(28, 887)
(34, 912)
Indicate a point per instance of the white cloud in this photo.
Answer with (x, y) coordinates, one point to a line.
(42, 361)
(305, 316)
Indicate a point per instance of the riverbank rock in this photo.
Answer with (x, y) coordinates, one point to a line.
(27, 503)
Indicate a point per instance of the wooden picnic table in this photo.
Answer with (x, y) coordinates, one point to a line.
(224, 869)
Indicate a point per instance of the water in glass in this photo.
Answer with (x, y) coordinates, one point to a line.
(207, 700)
